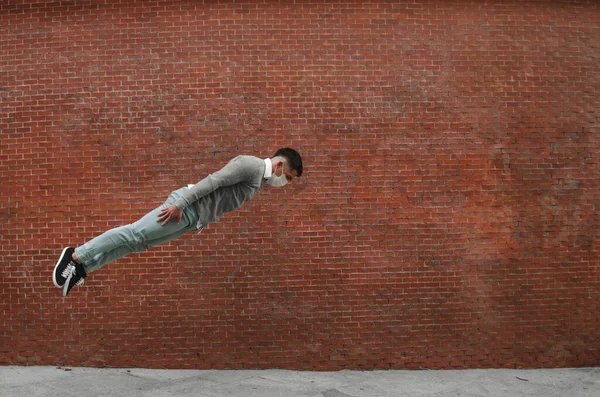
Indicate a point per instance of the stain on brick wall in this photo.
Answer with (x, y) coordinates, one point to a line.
(448, 216)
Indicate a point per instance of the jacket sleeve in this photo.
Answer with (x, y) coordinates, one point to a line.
(234, 172)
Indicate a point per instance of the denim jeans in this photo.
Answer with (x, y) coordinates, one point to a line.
(136, 237)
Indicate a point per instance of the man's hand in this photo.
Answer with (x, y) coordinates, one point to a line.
(170, 213)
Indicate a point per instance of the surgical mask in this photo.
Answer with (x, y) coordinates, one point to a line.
(278, 181)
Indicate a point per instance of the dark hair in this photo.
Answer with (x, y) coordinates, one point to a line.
(293, 158)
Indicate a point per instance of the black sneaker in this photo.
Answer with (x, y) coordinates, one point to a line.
(63, 267)
(75, 277)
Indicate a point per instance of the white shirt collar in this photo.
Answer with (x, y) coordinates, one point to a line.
(268, 168)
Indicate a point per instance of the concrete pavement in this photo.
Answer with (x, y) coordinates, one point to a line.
(92, 382)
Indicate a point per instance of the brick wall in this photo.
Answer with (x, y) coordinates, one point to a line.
(448, 217)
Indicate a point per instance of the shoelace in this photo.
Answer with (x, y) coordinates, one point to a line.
(71, 269)
(68, 270)
(80, 282)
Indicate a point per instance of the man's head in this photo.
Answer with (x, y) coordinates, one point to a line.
(287, 161)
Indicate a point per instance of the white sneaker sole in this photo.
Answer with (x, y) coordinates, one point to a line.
(56, 267)
(65, 290)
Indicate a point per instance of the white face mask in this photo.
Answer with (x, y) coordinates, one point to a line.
(278, 181)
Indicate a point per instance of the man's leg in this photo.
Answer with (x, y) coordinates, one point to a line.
(136, 237)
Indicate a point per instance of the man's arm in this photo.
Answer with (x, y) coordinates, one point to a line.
(235, 171)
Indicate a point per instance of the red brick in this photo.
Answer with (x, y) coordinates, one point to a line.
(448, 216)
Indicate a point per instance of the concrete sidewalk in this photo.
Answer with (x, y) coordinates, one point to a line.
(91, 382)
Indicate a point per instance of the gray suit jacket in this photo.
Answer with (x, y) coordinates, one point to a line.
(225, 190)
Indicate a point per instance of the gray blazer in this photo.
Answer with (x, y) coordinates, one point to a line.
(225, 190)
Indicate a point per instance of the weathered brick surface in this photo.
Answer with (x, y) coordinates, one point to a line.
(448, 217)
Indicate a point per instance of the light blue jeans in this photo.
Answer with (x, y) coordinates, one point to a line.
(136, 237)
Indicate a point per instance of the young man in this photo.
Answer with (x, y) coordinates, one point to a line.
(186, 209)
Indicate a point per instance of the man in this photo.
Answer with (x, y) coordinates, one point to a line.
(186, 209)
